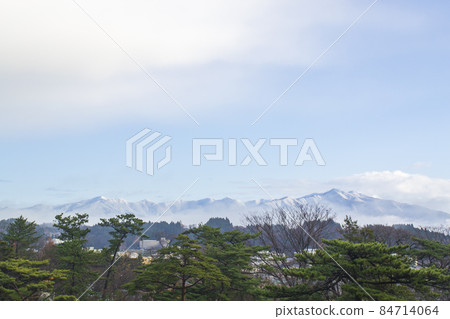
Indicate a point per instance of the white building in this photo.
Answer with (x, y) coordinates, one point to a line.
(151, 244)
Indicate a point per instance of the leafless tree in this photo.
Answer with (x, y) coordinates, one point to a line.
(439, 233)
(288, 231)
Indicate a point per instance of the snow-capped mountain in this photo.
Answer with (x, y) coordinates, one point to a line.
(363, 208)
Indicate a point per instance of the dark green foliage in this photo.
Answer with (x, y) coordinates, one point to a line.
(164, 229)
(355, 234)
(223, 224)
(233, 256)
(22, 279)
(99, 236)
(72, 254)
(431, 253)
(21, 234)
(203, 264)
(385, 273)
(6, 251)
(65, 298)
(121, 227)
(177, 270)
(219, 263)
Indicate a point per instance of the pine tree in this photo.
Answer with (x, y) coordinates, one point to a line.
(122, 226)
(430, 252)
(22, 279)
(72, 254)
(177, 270)
(234, 259)
(355, 234)
(21, 234)
(385, 273)
(6, 251)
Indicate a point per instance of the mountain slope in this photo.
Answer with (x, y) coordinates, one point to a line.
(363, 208)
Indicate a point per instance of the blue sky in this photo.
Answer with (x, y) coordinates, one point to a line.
(376, 104)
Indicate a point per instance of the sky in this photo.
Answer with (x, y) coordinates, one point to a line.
(75, 86)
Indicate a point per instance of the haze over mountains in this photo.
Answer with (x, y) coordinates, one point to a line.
(365, 209)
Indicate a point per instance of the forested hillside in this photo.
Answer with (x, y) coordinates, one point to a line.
(296, 254)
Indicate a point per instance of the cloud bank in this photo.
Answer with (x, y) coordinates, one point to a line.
(397, 185)
(59, 70)
(404, 187)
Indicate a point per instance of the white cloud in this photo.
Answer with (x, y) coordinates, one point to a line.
(57, 68)
(53, 34)
(403, 187)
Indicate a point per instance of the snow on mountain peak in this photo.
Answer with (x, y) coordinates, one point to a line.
(363, 208)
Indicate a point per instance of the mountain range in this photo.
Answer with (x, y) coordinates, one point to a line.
(365, 209)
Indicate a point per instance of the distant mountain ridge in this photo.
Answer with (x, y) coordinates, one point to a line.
(361, 207)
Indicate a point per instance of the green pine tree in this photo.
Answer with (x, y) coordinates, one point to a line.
(22, 280)
(234, 258)
(72, 254)
(122, 226)
(21, 234)
(352, 232)
(384, 273)
(176, 271)
(6, 251)
(431, 252)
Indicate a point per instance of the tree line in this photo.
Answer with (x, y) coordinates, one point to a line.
(280, 255)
